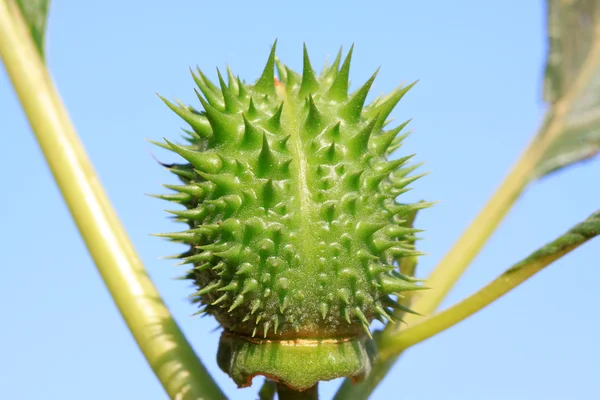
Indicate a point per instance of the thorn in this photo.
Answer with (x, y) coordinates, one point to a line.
(268, 193)
(208, 89)
(314, 118)
(367, 330)
(403, 172)
(231, 255)
(184, 171)
(388, 105)
(208, 82)
(352, 180)
(226, 183)
(361, 316)
(181, 198)
(391, 284)
(283, 143)
(252, 111)
(194, 214)
(359, 143)
(364, 229)
(231, 103)
(405, 309)
(333, 70)
(309, 81)
(232, 287)
(199, 123)
(207, 289)
(330, 154)
(339, 87)
(401, 183)
(393, 165)
(328, 211)
(202, 161)
(347, 315)
(185, 237)
(323, 308)
(220, 300)
(232, 81)
(242, 93)
(334, 131)
(382, 245)
(381, 311)
(382, 142)
(353, 108)
(250, 285)
(266, 158)
(159, 144)
(274, 123)
(200, 311)
(283, 305)
(238, 301)
(293, 79)
(266, 83)
(223, 126)
(281, 70)
(244, 269)
(343, 295)
(255, 306)
(203, 267)
(199, 258)
(251, 133)
(395, 231)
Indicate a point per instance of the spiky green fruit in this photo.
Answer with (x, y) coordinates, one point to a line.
(294, 226)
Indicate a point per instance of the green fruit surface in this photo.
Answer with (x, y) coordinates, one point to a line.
(291, 204)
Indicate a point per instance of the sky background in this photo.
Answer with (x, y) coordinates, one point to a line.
(476, 106)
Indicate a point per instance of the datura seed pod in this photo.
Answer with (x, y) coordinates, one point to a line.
(295, 230)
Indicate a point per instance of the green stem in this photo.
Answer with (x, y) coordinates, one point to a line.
(156, 333)
(457, 260)
(286, 393)
(454, 264)
(358, 391)
(268, 390)
(393, 344)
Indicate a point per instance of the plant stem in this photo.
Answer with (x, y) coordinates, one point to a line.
(456, 261)
(453, 265)
(394, 344)
(286, 393)
(449, 269)
(156, 333)
(268, 390)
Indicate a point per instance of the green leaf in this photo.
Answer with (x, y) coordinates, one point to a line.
(571, 85)
(392, 345)
(35, 14)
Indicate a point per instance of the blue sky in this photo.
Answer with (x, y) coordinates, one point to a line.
(475, 108)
